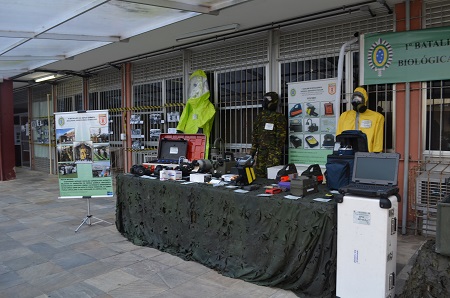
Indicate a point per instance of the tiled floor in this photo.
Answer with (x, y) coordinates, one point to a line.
(41, 255)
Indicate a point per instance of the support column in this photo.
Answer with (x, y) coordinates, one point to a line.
(408, 100)
(127, 103)
(7, 150)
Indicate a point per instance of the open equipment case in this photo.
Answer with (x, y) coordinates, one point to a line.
(174, 147)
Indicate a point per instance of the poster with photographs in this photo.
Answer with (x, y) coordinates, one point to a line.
(154, 134)
(136, 133)
(173, 116)
(136, 144)
(83, 154)
(312, 121)
(40, 129)
(155, 118)
(135, 119)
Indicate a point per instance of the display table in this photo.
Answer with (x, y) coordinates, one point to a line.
(270, 241)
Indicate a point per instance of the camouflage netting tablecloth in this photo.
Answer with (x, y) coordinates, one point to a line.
(430, 274)
(270, 241)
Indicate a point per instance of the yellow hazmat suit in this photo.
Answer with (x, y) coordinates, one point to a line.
(198, 115)
(369, 122)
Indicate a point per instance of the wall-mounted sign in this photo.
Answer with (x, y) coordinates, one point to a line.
(409, 56)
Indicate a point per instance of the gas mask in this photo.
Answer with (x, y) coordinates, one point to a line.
(358, 103)
(198, 86)
(266, 102)
(270, 101)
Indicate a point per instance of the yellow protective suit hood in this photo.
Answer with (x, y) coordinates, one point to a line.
(363, 93)
(199, 111)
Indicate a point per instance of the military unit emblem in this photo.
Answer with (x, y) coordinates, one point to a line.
(380, 56)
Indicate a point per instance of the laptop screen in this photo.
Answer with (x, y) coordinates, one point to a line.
(376, 168)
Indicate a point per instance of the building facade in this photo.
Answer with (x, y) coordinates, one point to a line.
(240, 70)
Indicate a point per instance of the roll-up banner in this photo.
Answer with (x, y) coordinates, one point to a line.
(312, 121)
(83, 154)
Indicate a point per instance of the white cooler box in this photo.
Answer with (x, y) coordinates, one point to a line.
(366, 248)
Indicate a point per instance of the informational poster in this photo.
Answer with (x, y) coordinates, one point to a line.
(312, 121)
(83, 154)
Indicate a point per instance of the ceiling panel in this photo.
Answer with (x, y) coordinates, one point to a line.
(122, 19)
(58, 29)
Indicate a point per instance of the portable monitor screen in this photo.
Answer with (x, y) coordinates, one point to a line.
(378, 168)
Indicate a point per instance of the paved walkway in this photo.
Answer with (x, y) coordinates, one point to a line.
(42, 256)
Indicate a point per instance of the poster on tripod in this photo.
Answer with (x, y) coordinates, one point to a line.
(311, 121)
(83, 154)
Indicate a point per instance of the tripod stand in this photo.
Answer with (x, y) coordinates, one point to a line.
(89, 216)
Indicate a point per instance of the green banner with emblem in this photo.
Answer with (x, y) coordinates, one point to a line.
(409, 56)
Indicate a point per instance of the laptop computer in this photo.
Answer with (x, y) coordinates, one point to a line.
(374, 175)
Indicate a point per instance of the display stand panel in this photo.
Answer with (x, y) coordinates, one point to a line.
(312, 121)
(83, 154)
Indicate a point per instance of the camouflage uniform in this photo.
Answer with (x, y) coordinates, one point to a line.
(268, 143)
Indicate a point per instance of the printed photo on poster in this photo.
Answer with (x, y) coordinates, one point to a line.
(312, 125)
(295, 141)
(312, 141)
(67, 170)
(101, 169)
(327, 125)
(295, 110)
(65, 153)
(312, 109)
(99, 134)
(83, 152)
(101, 152)
(328, 141)
(65, 135)
(295, 125)
(328, 109)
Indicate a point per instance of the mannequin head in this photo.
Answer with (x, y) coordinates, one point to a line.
(359, 100)
(271, 100)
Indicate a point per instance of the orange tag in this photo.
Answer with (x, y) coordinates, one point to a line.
(285, 179)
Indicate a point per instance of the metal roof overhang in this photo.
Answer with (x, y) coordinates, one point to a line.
(67, 37)
(35, 33)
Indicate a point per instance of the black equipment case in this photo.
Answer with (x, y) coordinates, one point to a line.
(170, 150)
(355, 139)
(339, 166)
